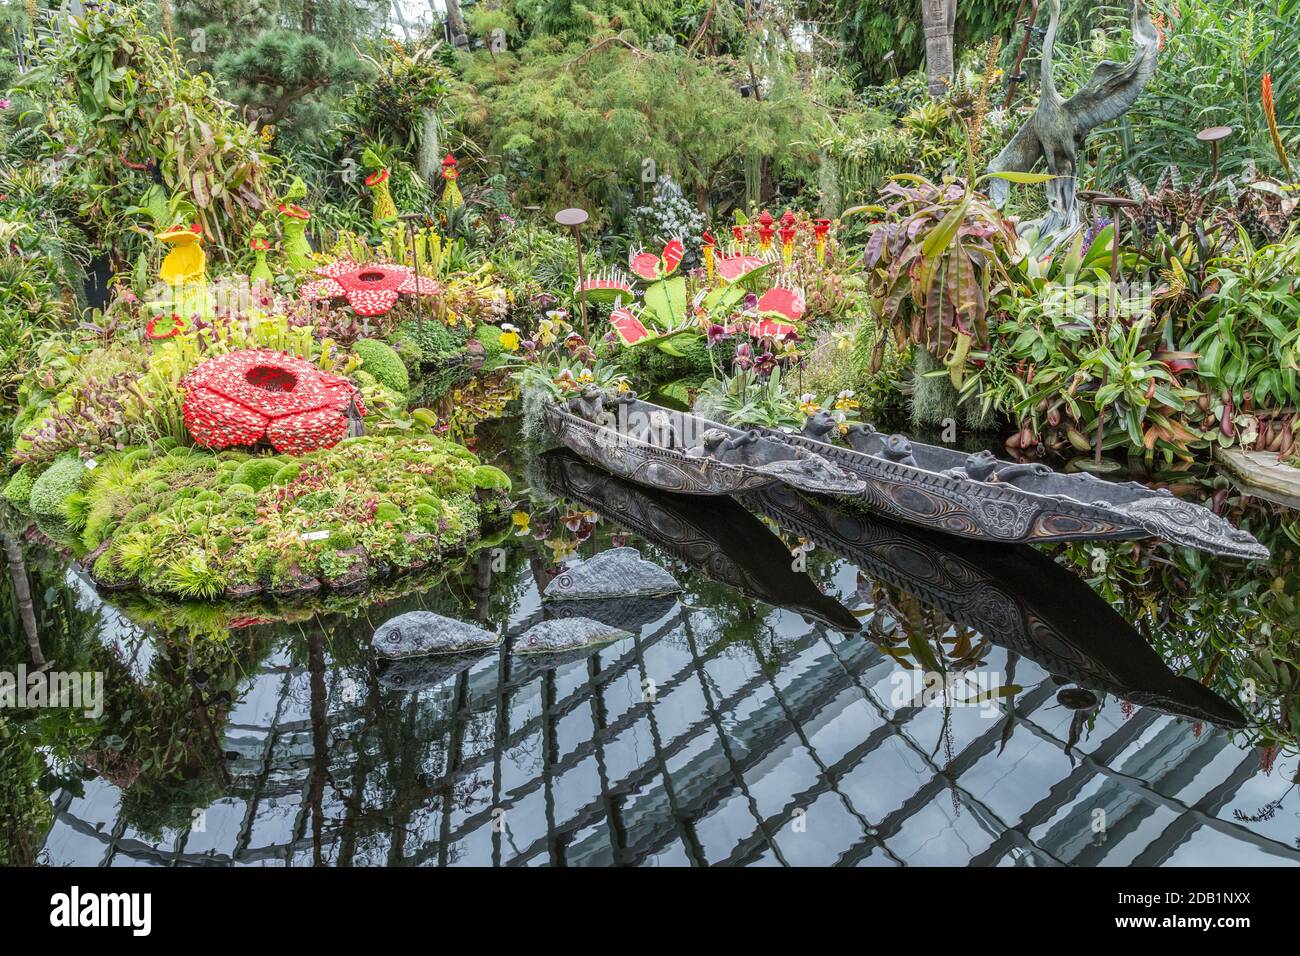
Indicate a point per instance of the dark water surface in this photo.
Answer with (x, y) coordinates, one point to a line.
(740, 724)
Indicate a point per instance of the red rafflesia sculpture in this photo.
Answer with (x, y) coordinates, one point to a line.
(255, 395)
(371, 289)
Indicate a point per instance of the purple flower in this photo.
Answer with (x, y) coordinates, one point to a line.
(750, 302)
(716, 334)
(1094, 230)
(4, 103)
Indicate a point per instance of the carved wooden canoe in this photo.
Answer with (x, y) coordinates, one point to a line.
(683, 453)
(1016, 596)
(978, 496)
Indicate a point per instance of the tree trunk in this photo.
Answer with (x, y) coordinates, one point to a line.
(456, 24)
(939, 18)
(23, 596)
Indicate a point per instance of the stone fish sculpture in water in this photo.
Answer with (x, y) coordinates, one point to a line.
(616, 573)
(563, 635)
(418, 633)
(410, 674)
(562, 640)
(626, 614)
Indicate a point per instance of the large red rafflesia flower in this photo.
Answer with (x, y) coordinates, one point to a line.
(371, 289)
(255, 395)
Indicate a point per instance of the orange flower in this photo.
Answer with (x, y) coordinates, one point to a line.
(1270, 116)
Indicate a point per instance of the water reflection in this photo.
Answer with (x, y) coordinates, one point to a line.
(759, 718)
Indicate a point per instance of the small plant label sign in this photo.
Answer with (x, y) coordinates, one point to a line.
(314, 535)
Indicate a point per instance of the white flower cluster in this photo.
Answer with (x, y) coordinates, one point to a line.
(670, 215)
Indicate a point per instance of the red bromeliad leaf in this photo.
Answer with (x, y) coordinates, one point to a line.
(645, 265)
(629, 328)
(673, 253)
(784, 301)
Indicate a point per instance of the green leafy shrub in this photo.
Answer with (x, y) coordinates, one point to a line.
(489, 476)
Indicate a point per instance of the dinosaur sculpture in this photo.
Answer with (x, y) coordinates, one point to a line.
(1059, 126)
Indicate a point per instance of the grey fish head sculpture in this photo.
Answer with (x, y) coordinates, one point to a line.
(411, 674)
(616, 573)
(564, 635)
(417, 633)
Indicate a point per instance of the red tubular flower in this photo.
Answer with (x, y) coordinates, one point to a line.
(821, 227)
(295, 212)
(374, 179)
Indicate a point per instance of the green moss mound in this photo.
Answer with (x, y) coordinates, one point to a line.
(191, 527)
(18, 489)
(257, 473)
(382, 361)
(51, 491)
(489, 476)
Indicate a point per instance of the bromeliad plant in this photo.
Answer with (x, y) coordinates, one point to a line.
(1247, 337)
(1080, 363)
(937, 261)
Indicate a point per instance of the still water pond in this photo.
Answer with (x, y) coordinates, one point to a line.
(775, 712)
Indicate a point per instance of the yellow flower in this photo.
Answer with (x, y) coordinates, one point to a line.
(520, 520)
(560, 548)
(842, 341)
(509, 338)
(624, 386)
(808, 404)
(585, 377)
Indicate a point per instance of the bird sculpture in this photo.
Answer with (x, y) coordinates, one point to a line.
(1058, 127)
